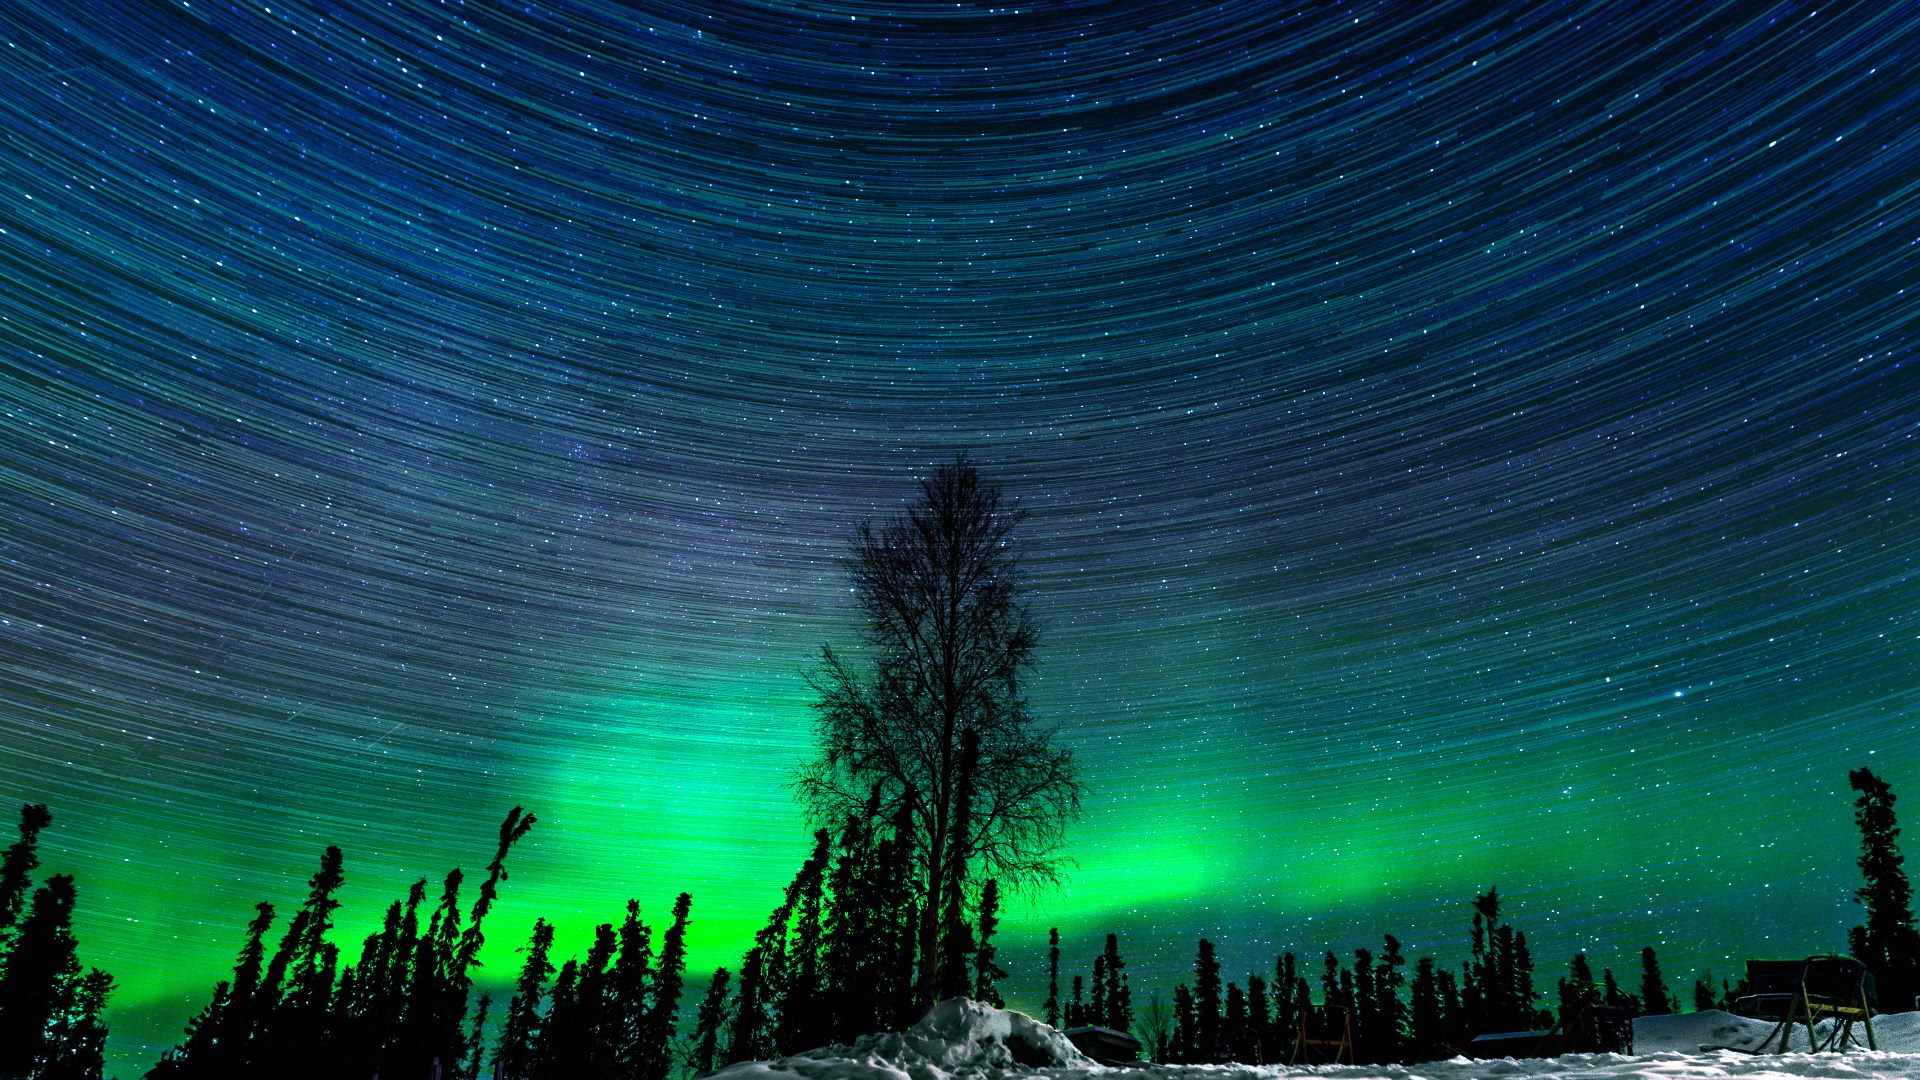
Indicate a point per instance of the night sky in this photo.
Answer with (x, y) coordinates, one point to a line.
(1463, 445)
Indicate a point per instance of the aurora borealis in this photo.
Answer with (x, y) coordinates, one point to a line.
(1464, 445)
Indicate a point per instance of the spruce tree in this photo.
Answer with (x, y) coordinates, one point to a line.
(798, 1005)
(521, 1033)
(1259, 1021)
(1076, 1009)
(1097, 992)
(1452, 1019)
(1206, 1003)
(987, 974)
(76, 1040)
(1233, 1025)
(1286, 1015)
(1118, 1014)
(849, 931)
(1613, 996)
(1887, 942)
(707, 1024)
(957, 946)
(1425, 1019)
(37, 978)
(1703, 999)
(656, 1052)
(1497, 988)
(476, 1040)
(1363, 999)
(1655, 999)
(1577, 991)
(17, 865)
(1185, 1027)
(1389, 1017)
(625, 994)
(1053, 977)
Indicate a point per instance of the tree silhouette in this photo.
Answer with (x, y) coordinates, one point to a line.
(519, 1038)
(1119, 996)
(1887, 942)
(941, 723)
(1053, 977)
(17, 866)
(1655, 999)
(1206, 1003)
(707, 1024)
(41, 966)
(986, 973)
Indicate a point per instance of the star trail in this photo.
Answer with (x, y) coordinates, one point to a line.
(1463, 445)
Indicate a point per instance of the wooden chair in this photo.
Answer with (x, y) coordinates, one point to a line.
(1324, 1030)
(1789, 992)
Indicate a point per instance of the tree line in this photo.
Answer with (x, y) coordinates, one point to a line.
(837, 958)
(51, 1012)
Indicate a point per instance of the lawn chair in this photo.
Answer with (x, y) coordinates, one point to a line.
(1789, 992)
(1325, 1032)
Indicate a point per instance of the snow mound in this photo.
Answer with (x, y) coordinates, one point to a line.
(964, 1040)
(959, 1038)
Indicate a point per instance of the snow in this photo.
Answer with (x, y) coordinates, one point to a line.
(964, 1040)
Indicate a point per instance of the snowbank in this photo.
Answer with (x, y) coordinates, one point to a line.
(964, 1040)
(1687, 1033)
(959, 1038)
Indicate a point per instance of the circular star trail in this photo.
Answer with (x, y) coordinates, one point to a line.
(1463, 445)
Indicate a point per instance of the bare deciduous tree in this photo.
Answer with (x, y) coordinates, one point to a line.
(939, 723)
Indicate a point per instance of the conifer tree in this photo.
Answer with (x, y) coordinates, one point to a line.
(987, 974)
(476, 1039)
(76, 1040)
(1330, 981)
(1613, 996)
(797, 999)
(1452, 1019)
(1362, 1000)
(1097, 992)
(1497, 991)
(851, 931)
(1703, 999)
(1233, 1025)
(1118, 1013)
(1185, 1026)
(656, 1053)
(1259, 1021)
(898, 901)
(624, 1010)
(1577, 991)
(1286, 995)
(561, 1031)
(515, 1055)
(706, 1029)
(957, 946)
(764, 977)
(1886, 942)
(1053, 977)
(1655, 999)
(1389, 1017)
(1206, 1003)
(17, 865)
(38, 976)
(1424, 1008)
(1076, 1011)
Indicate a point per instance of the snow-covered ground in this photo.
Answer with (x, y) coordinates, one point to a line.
(963, 1040)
